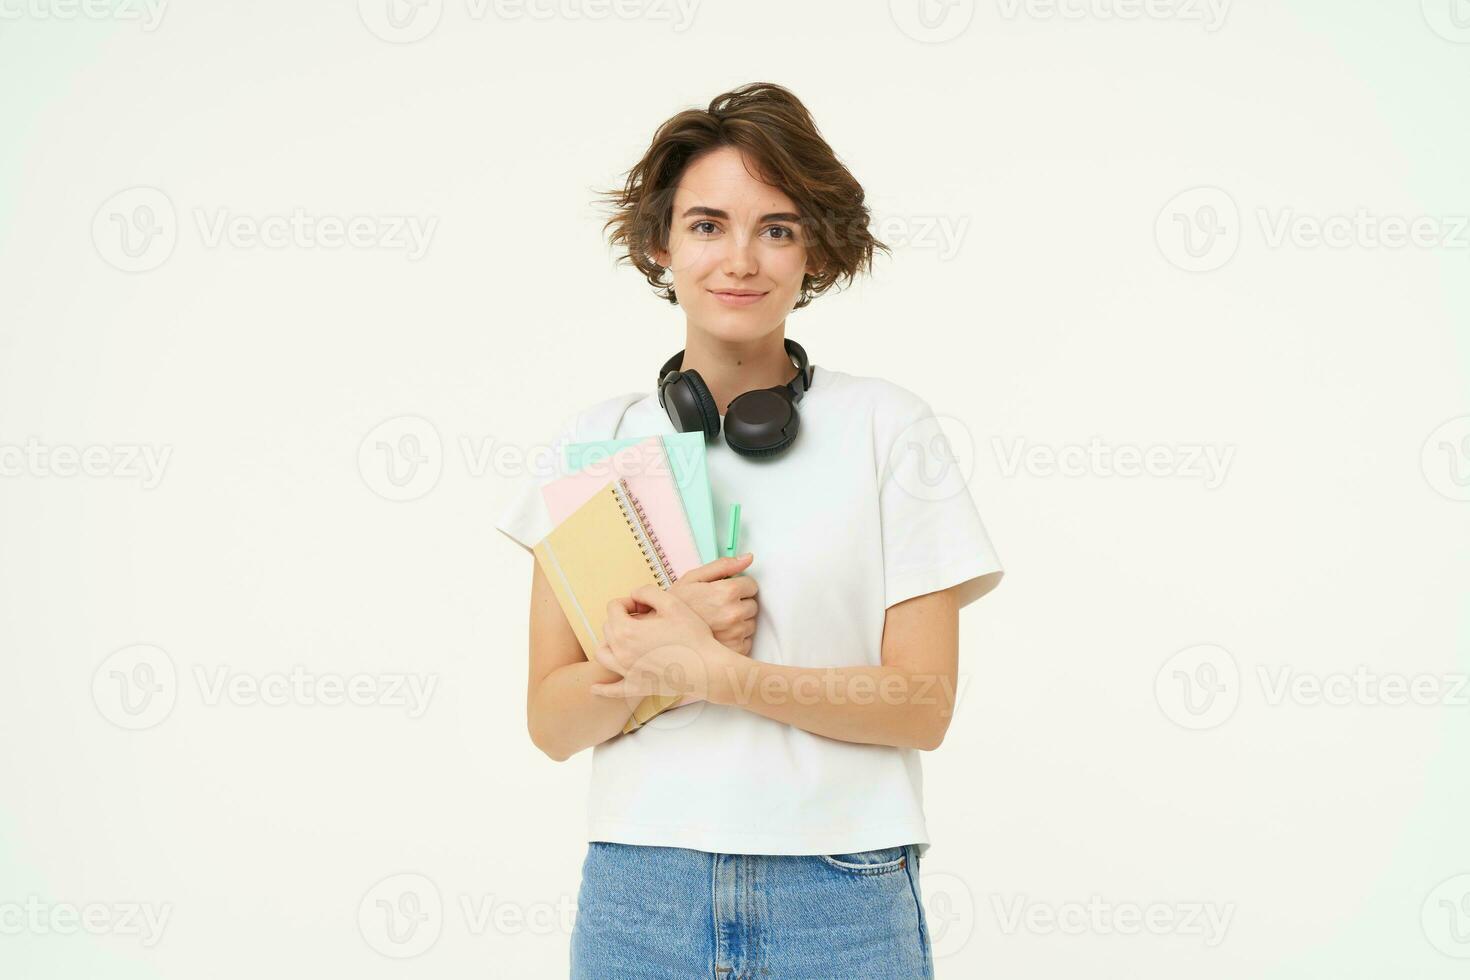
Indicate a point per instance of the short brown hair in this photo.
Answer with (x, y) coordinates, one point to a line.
(771, 126)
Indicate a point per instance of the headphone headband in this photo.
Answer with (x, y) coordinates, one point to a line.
(804, 370)
(759, 422)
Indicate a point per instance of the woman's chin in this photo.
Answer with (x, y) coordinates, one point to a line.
(736, 325)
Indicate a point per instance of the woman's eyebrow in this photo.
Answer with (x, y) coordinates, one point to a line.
(717, 213)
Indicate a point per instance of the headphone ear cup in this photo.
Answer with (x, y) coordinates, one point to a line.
(762, 452)
(690, 405)
(792, 427)
(707, 408)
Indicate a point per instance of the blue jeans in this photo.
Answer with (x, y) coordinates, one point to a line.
(671, 913)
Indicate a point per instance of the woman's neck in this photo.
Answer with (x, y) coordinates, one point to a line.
(730, 368)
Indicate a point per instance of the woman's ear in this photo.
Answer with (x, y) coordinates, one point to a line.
(660, 255)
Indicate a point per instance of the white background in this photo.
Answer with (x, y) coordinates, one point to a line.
(293, 386)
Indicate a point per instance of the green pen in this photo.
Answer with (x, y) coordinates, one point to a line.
(734, 537)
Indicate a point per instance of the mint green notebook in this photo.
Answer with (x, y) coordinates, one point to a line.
(685, 451)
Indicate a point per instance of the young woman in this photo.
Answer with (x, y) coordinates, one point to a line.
(773, 827)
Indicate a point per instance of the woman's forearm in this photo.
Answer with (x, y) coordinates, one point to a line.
(884, 705)
(565, 717)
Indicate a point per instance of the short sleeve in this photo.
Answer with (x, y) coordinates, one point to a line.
(523, 516)
(933, 537)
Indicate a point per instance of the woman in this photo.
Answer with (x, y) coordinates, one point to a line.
(772, 827)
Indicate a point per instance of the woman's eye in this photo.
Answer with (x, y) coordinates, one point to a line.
(782, 233)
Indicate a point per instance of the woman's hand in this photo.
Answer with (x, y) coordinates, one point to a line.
(667, 650)
(727, 604)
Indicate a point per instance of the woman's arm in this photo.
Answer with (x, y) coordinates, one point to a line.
(562, 714)
(908, 701)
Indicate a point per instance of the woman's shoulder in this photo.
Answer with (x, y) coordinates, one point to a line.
(886, 398)
(600, 419)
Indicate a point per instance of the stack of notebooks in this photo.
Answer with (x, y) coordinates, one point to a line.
(629, 512)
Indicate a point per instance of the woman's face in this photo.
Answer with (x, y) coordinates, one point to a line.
(731, 233)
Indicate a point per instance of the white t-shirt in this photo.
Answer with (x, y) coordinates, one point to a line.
(865, 510)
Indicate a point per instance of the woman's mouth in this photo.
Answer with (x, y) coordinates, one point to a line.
(737, 298)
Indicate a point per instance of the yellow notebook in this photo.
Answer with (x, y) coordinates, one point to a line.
(602, 551)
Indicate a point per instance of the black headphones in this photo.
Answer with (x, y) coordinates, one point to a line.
(759, 422)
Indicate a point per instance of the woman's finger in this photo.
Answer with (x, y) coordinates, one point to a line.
(621, 607)
(611, 690)
(608, 659)
(655, 597)
(745, 586)
(718, 569)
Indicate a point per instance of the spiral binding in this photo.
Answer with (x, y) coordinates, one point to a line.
(643, 531)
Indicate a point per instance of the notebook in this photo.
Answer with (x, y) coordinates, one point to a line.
(602, 551)
(648, 474)
(684, 453)
(597, 554)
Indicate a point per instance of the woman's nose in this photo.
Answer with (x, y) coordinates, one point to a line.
(740, 263)
(739, 259)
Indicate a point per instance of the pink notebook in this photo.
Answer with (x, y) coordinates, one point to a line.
(645, 466)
